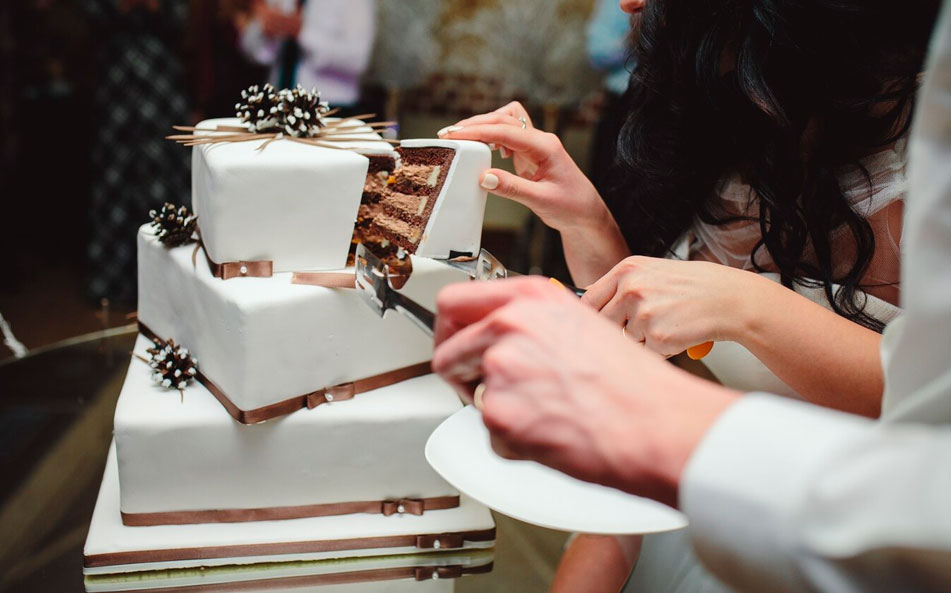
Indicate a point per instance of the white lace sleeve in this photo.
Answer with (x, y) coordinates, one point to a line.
(876, 192)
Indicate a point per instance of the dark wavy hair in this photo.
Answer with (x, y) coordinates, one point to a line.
(782, 92)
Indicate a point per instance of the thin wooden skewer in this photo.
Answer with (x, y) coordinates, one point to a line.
(348, 130)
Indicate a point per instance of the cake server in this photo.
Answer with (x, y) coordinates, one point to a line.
(488, 267)
(373, 285)
(484, 267)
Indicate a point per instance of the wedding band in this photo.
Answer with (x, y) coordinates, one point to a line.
(524, 121)
(477, 396)
(624, 331)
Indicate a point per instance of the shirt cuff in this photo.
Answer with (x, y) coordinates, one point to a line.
(743, 487)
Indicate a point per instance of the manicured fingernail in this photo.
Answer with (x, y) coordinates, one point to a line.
(490, 181)
(448, 130)
(503, 152)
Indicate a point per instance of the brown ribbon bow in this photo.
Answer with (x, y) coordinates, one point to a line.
(426, 573)
(233, 269)
(440, 541)
(410, 506)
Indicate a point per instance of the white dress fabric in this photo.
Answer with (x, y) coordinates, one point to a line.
(667, 563)
(876, 193)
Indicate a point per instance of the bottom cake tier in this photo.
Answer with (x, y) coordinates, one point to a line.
(183, 459)
(338, 551)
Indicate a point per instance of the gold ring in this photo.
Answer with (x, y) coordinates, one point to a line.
(477, 396)
(624, 330)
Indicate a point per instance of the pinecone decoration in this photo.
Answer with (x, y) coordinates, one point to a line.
(295, 112)
(172, 366)
(173, 226)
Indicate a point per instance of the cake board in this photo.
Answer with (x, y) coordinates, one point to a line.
(123, 558)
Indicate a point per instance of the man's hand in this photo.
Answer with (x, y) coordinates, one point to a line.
(565, 388)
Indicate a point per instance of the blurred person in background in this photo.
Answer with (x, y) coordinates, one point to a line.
(44, 124)
(138, 94)
(217, 70)
(322, 44)
(609, 49)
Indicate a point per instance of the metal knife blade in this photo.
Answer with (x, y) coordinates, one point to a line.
(373, 286)
(483, 267)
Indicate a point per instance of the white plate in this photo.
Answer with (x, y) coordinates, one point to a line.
(460, 452)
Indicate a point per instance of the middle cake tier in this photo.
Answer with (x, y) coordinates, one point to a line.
(267, 346)
(182, 459)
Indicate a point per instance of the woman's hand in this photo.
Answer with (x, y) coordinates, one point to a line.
(671, 305)
(550, 184)
(548, 181)
(563, 386)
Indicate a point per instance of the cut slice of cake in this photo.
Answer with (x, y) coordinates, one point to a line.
(429, 203)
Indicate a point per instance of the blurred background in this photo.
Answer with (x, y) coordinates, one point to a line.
(88, 88)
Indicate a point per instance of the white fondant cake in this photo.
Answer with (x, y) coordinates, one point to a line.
(295, 204)
(455, 224)
(251, 551)
(264, 340)
(291, 203)
(232, 474)
(185, 454)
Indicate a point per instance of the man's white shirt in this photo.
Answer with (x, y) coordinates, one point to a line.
(783, 496)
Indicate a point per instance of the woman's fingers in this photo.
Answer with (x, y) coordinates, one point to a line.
(538, 145)
(602, 291)
(486, 118)
(621, 310)
(513, 114)
(524, 191)
(516, 110)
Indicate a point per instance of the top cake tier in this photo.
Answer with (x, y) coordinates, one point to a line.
(294, 205)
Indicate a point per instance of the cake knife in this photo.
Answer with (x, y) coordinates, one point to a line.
(488, 267)
(373, 286)
(484, 267)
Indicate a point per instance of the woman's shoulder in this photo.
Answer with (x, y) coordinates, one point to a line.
(877, 180)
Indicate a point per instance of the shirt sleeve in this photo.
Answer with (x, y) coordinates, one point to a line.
(338, 36)
(786, 497)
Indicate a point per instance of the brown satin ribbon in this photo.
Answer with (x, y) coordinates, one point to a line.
(410, 506)
(311, 400)
(362, 576)
(341, 280)
(428, 573)
(325, 279)
(274, 549)
(235, 269)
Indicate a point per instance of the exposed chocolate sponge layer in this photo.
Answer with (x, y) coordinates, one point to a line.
(396, 205)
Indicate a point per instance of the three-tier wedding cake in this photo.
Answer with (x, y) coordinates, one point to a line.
(271, 425)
